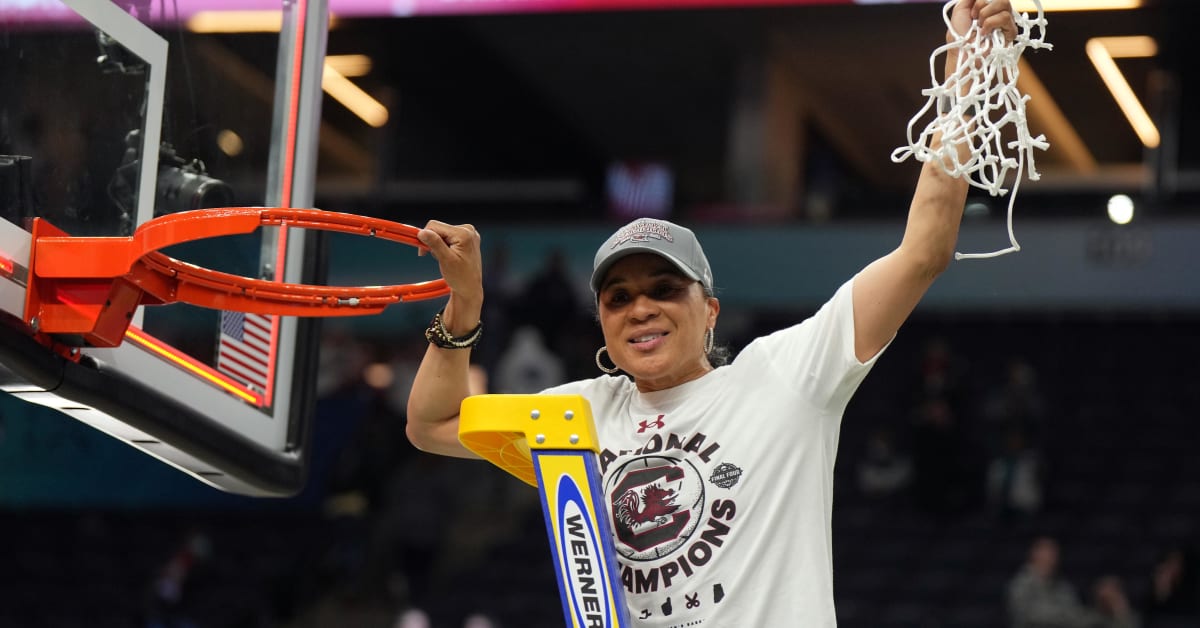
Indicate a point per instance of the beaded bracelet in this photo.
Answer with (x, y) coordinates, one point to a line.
(439, 336)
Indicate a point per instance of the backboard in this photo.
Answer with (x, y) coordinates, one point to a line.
(113, 113)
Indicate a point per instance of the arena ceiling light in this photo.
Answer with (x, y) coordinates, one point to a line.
(337, 67)
(352, 97)
(336, 82)
(1121, 209)
(349, 65)
(249, 21)
(1103, 51)
(1077, 5)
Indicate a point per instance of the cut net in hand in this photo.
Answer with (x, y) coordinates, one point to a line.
(973, 107)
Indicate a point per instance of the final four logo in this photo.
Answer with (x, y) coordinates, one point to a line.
(643, 231)
(726, 475)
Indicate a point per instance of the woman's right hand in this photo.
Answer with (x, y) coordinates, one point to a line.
(456, 249)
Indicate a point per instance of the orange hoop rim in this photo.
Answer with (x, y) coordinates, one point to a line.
(137, 259)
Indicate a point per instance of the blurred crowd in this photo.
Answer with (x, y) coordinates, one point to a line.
(1039, 596)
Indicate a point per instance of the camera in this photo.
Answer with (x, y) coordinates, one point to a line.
(181, 184)
(184, 185)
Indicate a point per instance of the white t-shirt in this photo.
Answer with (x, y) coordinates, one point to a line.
(720, 490)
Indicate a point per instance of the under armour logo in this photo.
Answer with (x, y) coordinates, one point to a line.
(657, 424)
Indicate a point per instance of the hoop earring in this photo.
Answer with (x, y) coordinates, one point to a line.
(610, 370)
(709, 340)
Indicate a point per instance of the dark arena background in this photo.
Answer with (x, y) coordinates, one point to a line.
(1047, 398)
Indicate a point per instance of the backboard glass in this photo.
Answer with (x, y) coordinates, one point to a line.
(113, 113)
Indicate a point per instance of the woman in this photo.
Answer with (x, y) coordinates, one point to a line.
(719, 479)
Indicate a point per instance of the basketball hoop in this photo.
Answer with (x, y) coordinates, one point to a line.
(974, 106)
(92, 285)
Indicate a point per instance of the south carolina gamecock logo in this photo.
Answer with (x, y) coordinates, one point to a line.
(657, 502)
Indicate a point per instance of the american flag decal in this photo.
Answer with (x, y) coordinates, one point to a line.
(244, 352)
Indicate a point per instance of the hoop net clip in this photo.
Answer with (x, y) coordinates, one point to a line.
(93, 285)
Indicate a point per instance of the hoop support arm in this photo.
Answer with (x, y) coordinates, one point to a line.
(93, 285)
(550, 441)
(505, 428)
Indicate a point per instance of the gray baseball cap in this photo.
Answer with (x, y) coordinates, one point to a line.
(676, 244)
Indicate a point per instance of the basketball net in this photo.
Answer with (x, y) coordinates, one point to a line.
(973, 107)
